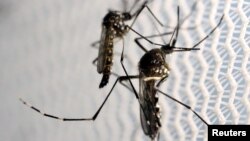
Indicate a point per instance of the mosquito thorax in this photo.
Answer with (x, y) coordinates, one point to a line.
(153, 65)
(115, 21)
(110, 18)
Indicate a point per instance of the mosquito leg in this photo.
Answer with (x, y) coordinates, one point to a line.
(188, 107)
(151, 36)
(143, 37)
(130, 82)
(137, 13)
(127, 79)
(178, 26)
(121, 61)
(94, 44)
(163, 34)
(158, 21)
(158, 35)
(161, 81)
(79, 119)
(140, 45)
(94, 61)
(53, 116)
(208, 33)
(136, 16)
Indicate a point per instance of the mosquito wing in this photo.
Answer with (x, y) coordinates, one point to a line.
(149, 112)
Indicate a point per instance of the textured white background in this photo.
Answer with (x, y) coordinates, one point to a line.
(45, 58)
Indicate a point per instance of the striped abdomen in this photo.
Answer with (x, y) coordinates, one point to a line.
(105, 56)
(150, 111)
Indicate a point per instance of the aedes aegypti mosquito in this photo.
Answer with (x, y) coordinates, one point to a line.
(114, 27)
(153, 71)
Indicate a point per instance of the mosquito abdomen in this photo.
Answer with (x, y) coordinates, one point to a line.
(150, 113)
(107, 59)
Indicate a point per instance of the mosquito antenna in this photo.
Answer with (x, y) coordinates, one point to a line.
(125, 5)
(175, 30)
(178, 24)
(133, 6)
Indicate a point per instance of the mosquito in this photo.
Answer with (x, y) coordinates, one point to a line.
(153, 71)
(115, 28)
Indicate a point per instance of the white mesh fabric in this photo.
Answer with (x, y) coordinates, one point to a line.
(46, 57)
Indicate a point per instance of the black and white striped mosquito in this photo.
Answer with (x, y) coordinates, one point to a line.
(153, 71)
(114, 28)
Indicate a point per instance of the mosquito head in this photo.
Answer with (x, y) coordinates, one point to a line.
(167, 49)
(127, 16)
